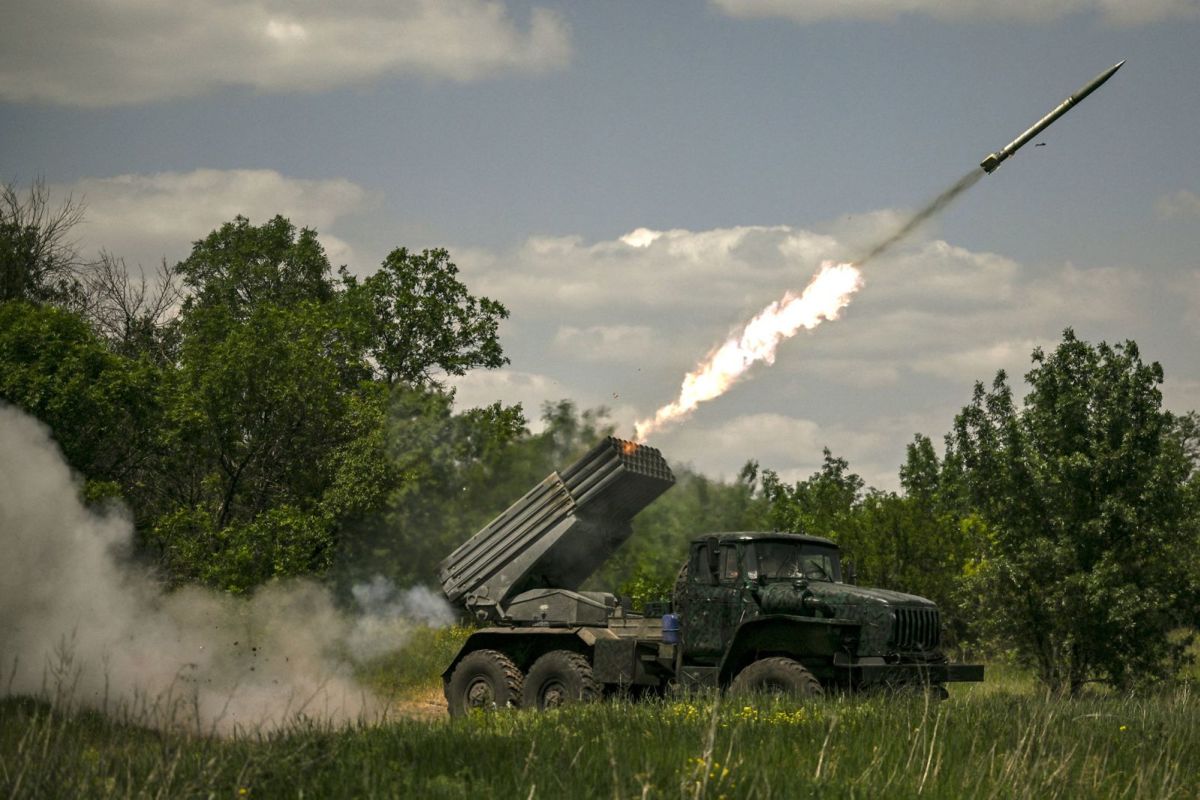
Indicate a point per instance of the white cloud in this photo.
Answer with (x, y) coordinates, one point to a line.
(620, 321)
(653, 270)
(144, 218)
(114, 52)
(1183, 204)
(1187, 287)
(613, 343)
(1118, 12)
(981, 362)
(929, 308)
(776, 441)
(1181, 395)
(480, 388)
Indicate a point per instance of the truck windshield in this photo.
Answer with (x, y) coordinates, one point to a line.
(789, 560)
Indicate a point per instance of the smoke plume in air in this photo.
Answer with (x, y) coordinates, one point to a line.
(823, 299)
(82, 624)
(936, 205)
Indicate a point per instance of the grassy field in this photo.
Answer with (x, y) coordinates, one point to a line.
(1001, 739)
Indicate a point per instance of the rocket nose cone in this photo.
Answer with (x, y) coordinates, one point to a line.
(1100, 79)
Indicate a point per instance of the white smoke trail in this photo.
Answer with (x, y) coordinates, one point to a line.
(79, 622)
(824, 298)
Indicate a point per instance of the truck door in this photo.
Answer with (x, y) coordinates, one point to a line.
(711, 599)
(737, 601)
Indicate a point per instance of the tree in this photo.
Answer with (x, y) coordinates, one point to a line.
(241, 267)
(910, 542)
(823, 505)
(102, 407)
(136, 316)
(422, 481)
(420, 318)
(1082, 491)
(38, 259)
(303, 407)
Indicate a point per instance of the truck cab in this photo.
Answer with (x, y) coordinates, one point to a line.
(745, 597)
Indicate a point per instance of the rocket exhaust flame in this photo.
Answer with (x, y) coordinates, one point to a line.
(824, 298)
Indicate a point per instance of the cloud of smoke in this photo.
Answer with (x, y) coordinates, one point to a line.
(82, 624)
(388, 614)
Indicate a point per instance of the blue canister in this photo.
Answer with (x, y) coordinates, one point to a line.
(670, 628)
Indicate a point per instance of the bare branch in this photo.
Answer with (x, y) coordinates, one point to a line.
(39, 260)
(136, 315)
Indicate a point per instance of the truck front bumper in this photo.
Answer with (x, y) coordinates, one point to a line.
(871, 671)
(920, 673)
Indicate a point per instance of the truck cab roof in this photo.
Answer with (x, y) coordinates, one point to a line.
(758, 536)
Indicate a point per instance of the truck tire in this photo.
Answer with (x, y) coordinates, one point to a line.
(484, 679)
(558, 678)
(776, 675)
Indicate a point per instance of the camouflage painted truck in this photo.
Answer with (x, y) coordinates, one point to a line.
(750, 611)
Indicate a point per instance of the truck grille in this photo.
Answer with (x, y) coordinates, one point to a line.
(917, 629)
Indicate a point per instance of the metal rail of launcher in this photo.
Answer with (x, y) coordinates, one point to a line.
(542, 548)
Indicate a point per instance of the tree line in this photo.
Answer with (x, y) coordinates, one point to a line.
(263, 415)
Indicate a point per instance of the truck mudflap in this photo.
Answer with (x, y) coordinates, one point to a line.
(870, 671)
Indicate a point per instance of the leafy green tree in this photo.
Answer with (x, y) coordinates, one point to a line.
(259, 406)
(281, 542)
(1082, 490)
(240, 267)
(297, 397)
(420, 318)
(823, 505)
(102, 407)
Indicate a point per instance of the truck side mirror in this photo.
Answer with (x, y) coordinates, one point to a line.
(714, 561)
(851, 574)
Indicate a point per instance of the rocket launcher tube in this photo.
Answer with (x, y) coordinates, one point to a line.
(561, 531)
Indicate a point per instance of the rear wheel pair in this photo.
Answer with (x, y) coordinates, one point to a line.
(488, 679)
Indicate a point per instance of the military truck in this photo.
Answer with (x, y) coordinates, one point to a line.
(754, 611)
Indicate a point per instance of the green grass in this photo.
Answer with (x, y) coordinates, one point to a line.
(1005, 741)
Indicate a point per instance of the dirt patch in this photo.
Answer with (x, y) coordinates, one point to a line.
(429, 705)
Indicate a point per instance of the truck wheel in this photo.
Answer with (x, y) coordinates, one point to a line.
(558, 678)
(776, 675)
(484, 679)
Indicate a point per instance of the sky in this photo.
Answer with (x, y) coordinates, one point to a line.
(634, 180)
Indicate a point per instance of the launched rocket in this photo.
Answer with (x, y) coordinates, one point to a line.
(994, 160)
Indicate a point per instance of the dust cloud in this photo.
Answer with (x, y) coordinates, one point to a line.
(82, 625)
